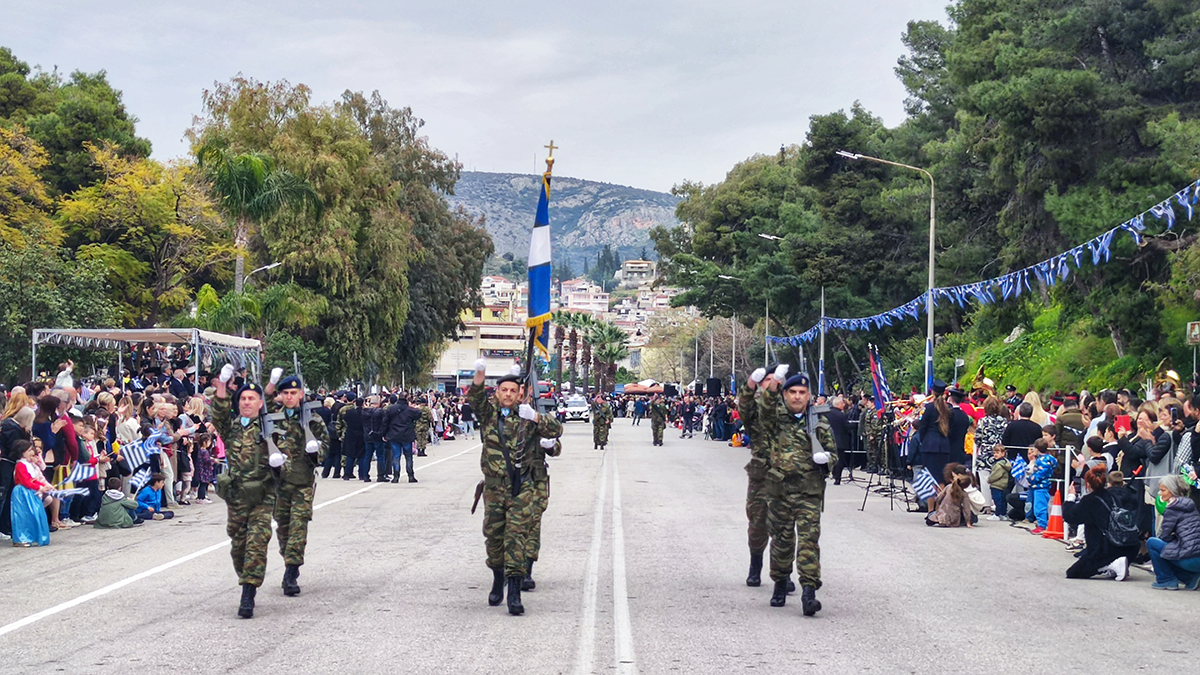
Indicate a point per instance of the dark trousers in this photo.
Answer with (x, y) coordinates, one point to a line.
(89, 504)
(376, 450)
(1089, 564)
(844, 460)
(333, 460)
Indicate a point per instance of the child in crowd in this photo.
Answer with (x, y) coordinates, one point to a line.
(952, 506)
(1041, 476)
(30, 497)
(117, 510)
(1000, 481)
(149, 499)
(203, 467)
(1048, 435)
(39, 464)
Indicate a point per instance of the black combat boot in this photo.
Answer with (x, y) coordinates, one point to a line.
(791, 585)
(528, 584)
(246, 609)
(754, 579)
(496, 596)
(809, 602)
(514, 596)
(779, 597)
(290, 574)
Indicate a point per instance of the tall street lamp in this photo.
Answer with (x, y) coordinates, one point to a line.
(929, 289)
(767, 320)
(246, 278)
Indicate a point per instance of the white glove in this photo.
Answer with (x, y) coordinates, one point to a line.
(313, 447)
(821, 457)
(547, 443)
(515, 370)
(781, 372)
(276, 459)
(527, 412)
(481, 365)
(757, 376)
(226, 373)
(276, 373)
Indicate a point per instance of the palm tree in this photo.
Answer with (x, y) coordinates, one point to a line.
(585, 324)
(560, 334)
(572, 346)
(611, 347)
(251, 189)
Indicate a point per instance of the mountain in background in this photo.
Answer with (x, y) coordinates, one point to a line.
(584, 215)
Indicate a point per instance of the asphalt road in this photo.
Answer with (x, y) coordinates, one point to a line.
(642, 570)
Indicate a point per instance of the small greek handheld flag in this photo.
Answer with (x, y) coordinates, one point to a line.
(81, 472)
(1018, 469)
(139, 479)
(924, 485)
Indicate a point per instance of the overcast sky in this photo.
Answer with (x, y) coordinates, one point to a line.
(640, 93)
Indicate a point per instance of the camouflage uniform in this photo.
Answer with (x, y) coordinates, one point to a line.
(872, 434)
(756, 472)
(294, 506)
(795, 488)
(540, 475)
(658, 420)
(508, 514)
(249, 522)
(602, 418)
(423, 425)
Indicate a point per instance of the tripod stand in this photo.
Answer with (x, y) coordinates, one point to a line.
(891, 457)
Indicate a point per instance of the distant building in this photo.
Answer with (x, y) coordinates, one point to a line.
(636, 273)
(488, 333)
(582, 295)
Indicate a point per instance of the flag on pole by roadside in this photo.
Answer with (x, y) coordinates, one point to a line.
(539, 266)
(883, 393)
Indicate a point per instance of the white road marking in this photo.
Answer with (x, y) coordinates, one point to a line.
(622, 626)
(63, 606)
(587, 627)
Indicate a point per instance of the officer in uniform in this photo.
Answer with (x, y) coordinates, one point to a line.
(800, 449)
(756, 470)
(248, 486)
(602, 417)
(872, 435)
(658, 418)
(294, 505)
(424, 423)
(508, 431)
(539, 473)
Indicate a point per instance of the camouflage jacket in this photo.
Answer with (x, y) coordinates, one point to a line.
(602, 414)
(539, 469)
(425, 421)
(245, 449)
(658, 412)
(871, 424)
(748, 409)
(789, 448)
(291, 441)
(501, 432)
(340, 423)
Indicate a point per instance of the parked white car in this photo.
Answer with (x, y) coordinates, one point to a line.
(577, 408)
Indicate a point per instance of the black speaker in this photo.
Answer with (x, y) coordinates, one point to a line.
(699, 389)
(669, 391)
(714, 386)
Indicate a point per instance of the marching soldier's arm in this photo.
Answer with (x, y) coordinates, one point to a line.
(770, 407)
(341, 420)
(321, 433)
(477, 395)
(748, 408)
(548, 426)
(221, 417)
(825, 437)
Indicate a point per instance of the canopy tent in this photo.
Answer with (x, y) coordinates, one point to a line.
(207, 346)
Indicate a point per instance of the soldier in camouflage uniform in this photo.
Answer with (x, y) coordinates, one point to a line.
(294, 505)
(423, 425)
(248, 487)
(795, 485)
(539, 473)
(508, 432)
(602, 418)
(756, 470)
(658, 418)
(872, 436)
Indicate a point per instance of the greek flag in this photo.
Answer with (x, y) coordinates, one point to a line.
(883, 393)
(135, 455)
(139, 479)
(81, 472)
(539, 267)
(65, 494)
(924, 485)
(1018, 468)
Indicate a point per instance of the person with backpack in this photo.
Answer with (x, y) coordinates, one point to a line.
(1111, 534)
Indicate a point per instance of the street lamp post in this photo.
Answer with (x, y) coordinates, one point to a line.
(247, 278)
(929, 288)
(767, 320)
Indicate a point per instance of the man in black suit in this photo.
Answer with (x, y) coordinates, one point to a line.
(840, 425)
(1021, 433)
(960, 424)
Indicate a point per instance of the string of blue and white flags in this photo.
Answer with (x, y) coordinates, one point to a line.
(1011, 285)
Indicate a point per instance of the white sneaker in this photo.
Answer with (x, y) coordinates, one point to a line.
(1108, 573)
(993, 518)
(88, 520)
(1121, 567)
(67, 523)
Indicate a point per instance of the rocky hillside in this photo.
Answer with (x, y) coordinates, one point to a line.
(584, 214)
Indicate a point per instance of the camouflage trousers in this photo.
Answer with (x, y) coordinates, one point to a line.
(506, 524)
(541, 500)
(422, 440)
(875, 452)
(794, 523)
(600, 434)
(656, 428)
(293, 510)
(756, 514)
(249, 530)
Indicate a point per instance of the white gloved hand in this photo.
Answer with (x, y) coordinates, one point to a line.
(821, 457)
(276, 373)
(276, 459)
(527, 412)
(781, 372)
(514, 370)
(226, 373)
(547, 443)
(757, 376)
(312, 447)
(480, 365)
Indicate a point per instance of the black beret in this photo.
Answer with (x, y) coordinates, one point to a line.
(289, 382)
(797, 380)
(249, 386)
(509, 378)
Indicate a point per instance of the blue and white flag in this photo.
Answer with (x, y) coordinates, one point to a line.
(539, 266)
(139, 479)
(1018, 468)
(81, 472)
(135, 454)
(924, 485)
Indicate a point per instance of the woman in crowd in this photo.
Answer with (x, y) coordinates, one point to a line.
(934, 432)
(1040, 417)
(1175, 553)
(1094, 511)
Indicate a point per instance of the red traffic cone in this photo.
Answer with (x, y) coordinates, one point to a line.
(1054, 527)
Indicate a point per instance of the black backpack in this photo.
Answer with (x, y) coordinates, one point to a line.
(1122, 526)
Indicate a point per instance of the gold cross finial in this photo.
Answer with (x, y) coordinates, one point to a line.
(551, 147)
